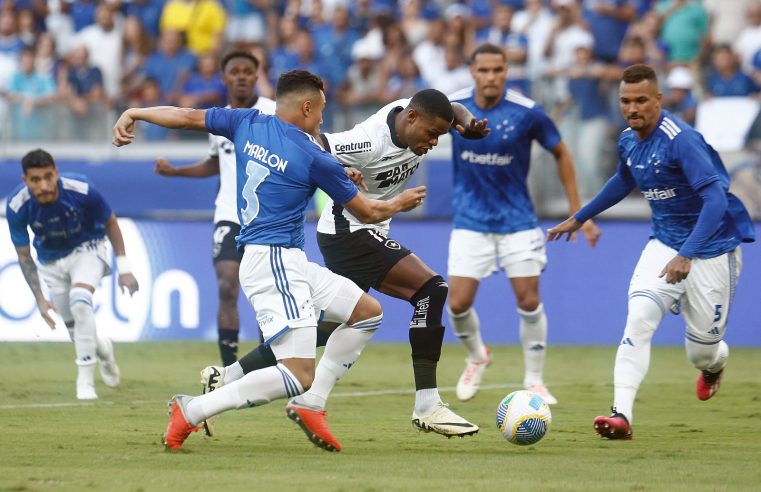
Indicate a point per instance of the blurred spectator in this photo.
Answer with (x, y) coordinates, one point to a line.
(169, 65)
(748, 41)
(679, 99)
(393, 49)
(248, 21)
(684, 29)
(642, 44)
(360, 94)
(204, 87)
(756, 68)
(587, 133)
(84, 96)
(137, 47)
(404, 82)
(27, 27)
(29, 93)
(414, 26)
(725, 78)
(460, 23)
(727, 19)
(335, 40)
(283, 51)
(148, 13)
(45, 55)
(515, 45)
(104, 44)
(150, 95)
(456, 73)
(608, 20)
(429, 54)
(567, 34)
(263, 85)
(82, 12)
(535, 22)
(10, 41)
(60, 24)
(202, 21)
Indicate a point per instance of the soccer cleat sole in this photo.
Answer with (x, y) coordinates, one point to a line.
(314, 438)
(607, 431)
(423, 427)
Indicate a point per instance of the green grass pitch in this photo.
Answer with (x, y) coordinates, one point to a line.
(50, 441)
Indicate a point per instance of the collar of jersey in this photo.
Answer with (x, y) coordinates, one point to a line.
(391, 122)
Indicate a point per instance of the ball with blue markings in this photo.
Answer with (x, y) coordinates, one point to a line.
(523, 417)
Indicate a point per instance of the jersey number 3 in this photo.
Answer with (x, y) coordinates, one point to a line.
(256, 173)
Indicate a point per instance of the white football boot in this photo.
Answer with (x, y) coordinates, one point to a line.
(442, 420)
(542, 391)
(470, 380)
(212, 377)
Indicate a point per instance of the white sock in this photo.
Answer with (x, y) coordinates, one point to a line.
(233, 372)
(533, 332)
(80, 301)
(711, 358)
(254, 389)
(86, 374)
(467, 327)
(633, 355)
(426, 399)
(341, 352)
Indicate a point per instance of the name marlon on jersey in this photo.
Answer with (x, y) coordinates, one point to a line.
(263, 155)
(491, 159)
(658, 194)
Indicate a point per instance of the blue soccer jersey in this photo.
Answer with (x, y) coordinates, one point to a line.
(278, 169)
(59, 227)
(490, 192)
(670, 167)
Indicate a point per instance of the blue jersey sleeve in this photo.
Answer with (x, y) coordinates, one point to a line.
(714, 207)
(615, 190)
(17, 225)
(224, 121)
(331, 177)
(692, 153)
(543, 129)
(97, 205)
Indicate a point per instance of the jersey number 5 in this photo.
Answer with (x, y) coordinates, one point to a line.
(256, 174)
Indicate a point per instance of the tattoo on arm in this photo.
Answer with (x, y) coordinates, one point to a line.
(29, 269)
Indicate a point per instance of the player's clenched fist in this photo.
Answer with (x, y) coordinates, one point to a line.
(412, 197)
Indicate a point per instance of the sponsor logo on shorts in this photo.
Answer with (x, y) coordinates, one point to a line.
(490, 159)
(391, 244)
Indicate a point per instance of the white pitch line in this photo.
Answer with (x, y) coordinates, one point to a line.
(349, 394)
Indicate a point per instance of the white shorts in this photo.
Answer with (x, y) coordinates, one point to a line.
(472, 254)
(704, 296)
(286, 291)
(87, 264)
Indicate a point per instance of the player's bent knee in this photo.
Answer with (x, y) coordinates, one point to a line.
(459, 306)
(529, 303)
(367, 307)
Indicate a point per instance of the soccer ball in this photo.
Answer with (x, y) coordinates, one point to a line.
(523, 417)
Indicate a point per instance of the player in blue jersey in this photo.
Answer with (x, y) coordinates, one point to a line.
(279, 166)
(70, 221)
(494, 219)
(239, 73)
(692, 259)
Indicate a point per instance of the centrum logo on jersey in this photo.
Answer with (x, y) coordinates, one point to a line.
(491, 159)
(354, 148)
(657, 194)
(263, 155)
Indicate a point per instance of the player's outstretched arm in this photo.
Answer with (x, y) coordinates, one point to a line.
(467, 125)
(127, 281)
(29, 269)
(371, 211)
(201, 169)
(166, 116)
(567, 227)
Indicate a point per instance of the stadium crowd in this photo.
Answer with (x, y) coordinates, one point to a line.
(80, 61)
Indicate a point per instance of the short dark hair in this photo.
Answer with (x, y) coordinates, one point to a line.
(432, 103)
(488, 48)
(298, 80)
(635, 74)
(239, 54)
(36, 159)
